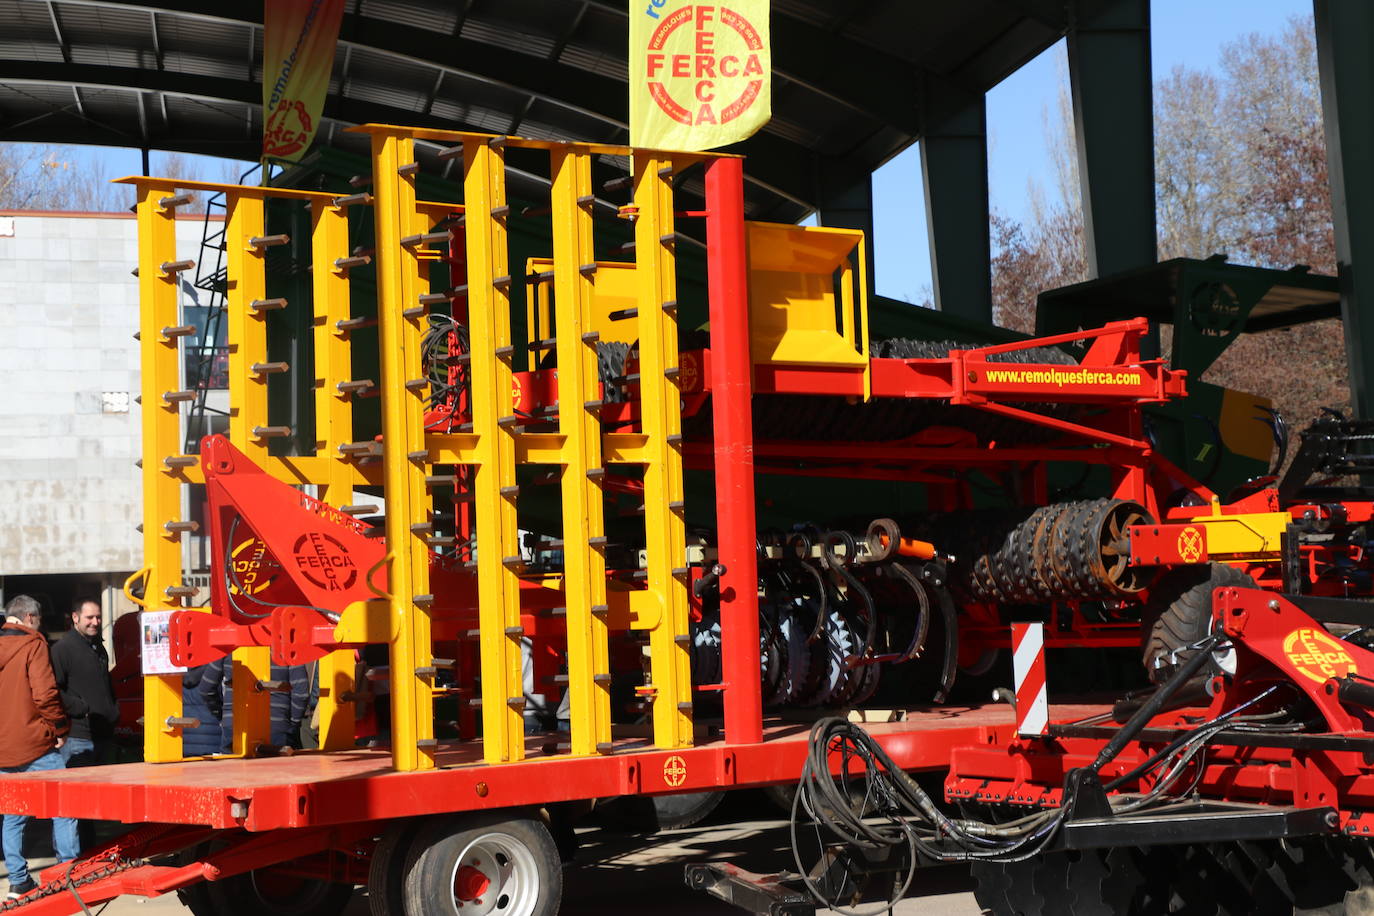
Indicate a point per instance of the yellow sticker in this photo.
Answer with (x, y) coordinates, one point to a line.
(1190, 545)
(1317, 655)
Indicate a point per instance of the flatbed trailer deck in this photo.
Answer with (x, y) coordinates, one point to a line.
(312, 789)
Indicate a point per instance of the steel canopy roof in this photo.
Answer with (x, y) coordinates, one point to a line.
(853, 81)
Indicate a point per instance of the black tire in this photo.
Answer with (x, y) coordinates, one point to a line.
(511, 855)
(273, 892)
(640, 814)
(1179, 613)
(386, 873)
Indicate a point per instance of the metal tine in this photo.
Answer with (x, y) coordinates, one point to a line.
(361, 260)
(181, 200)
(271, 432)
(181, 330)
(270, 241)
(173, 267)
(348, 200)
(353, 386)
(270, 368)
(267, 305)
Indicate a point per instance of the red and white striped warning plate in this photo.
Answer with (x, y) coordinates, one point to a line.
(1028, 667)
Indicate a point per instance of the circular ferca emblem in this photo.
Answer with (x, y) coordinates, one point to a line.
(675, 771)
(289, 128)
(1318, 656)
(704, 64)
(324, 561)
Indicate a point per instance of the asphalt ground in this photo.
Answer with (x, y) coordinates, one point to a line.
(617, 873)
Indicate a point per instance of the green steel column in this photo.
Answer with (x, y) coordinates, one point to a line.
(1345, 57)
(954, 168)
(846, 204)
(1111, 83)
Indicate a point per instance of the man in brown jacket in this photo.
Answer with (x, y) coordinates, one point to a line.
(34, 725)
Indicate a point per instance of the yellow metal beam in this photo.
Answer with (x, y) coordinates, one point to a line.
(161, 438)
(246, 333)
(584, 563)
(661, 422)
(333, 427)
(498, 585)
(407, 505)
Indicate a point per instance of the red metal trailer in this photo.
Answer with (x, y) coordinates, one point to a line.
(443, 815)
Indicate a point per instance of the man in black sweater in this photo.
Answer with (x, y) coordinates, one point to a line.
(82, 668)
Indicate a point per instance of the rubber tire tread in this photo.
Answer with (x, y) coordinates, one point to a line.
(1179, 611)
(429, 863)
(675, 812)
(236, 895)
(385, 874)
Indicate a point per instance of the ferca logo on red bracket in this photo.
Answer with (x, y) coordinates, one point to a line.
(325, 562)
(1317, 655)
(703, 63)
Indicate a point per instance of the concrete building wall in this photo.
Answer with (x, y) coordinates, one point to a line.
(69, 490)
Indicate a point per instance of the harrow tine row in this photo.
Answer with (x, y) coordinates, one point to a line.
(837, 611)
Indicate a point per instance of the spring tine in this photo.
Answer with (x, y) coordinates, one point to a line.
(349, 200)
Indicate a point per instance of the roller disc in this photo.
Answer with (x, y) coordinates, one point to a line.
(835, 644)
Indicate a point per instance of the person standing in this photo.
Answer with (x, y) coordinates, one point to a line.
(82, 668)
(34, 725)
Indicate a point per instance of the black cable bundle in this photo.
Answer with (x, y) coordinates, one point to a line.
(897, 812)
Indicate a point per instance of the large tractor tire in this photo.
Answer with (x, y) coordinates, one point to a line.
(1179, 613)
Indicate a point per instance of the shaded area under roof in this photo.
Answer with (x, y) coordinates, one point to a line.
(853, 82)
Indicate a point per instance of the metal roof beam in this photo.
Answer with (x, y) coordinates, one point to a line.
(62, 43)
(777, 165)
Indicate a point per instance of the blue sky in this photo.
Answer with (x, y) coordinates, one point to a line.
(1187, 32)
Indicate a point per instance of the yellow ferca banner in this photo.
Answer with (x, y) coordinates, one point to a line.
(700, 73)
(298, 54)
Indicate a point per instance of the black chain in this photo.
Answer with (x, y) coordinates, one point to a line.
(70, 884)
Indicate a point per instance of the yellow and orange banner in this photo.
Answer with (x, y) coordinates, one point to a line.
(298, 54)
(700, 73)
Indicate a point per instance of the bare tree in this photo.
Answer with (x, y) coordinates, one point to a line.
(36, 177)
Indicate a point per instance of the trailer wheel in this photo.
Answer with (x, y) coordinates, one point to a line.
(1179, 613)
(272, 892)
(483, 865)
(265, 892)
(385, 874)
(650, 814)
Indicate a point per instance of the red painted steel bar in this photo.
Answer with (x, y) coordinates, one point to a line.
(728, 287)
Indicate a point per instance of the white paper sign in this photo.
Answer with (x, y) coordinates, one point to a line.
(157, 645)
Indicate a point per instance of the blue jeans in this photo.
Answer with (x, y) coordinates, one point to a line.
(78, 752)
(64, 839)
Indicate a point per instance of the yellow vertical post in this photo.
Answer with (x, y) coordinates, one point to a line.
(333, 426)
(161, 439)
(247, 338)
(661, 419)
(584, 564)
(403, 455)
(493, 421)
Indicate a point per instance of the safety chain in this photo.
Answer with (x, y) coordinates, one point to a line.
(71, 884)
